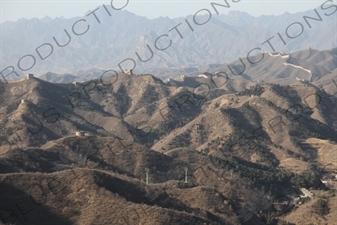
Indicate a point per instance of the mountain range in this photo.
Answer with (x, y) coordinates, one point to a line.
(210, 131)
(202, 150)
(117, 37)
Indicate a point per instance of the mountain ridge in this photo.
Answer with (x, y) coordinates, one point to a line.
(108, 43)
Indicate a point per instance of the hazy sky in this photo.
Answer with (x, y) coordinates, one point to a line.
(12, 10)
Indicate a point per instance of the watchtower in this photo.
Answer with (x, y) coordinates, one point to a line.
(127, 72)
(79, 133)
(30, 76)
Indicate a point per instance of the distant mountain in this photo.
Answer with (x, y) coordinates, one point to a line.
(309, 65)
(119, 36)
(58, 78)
(318, 67)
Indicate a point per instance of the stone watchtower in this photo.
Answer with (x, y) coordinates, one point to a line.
(30, 76)
(79, 133)
(127, 72)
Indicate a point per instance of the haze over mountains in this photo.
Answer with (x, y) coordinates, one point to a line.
(195, 136)
(223, 39)
(317, 67)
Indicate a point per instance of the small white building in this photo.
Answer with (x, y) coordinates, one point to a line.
(22, 101)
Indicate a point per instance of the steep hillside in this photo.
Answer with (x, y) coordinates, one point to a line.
(199, 150)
